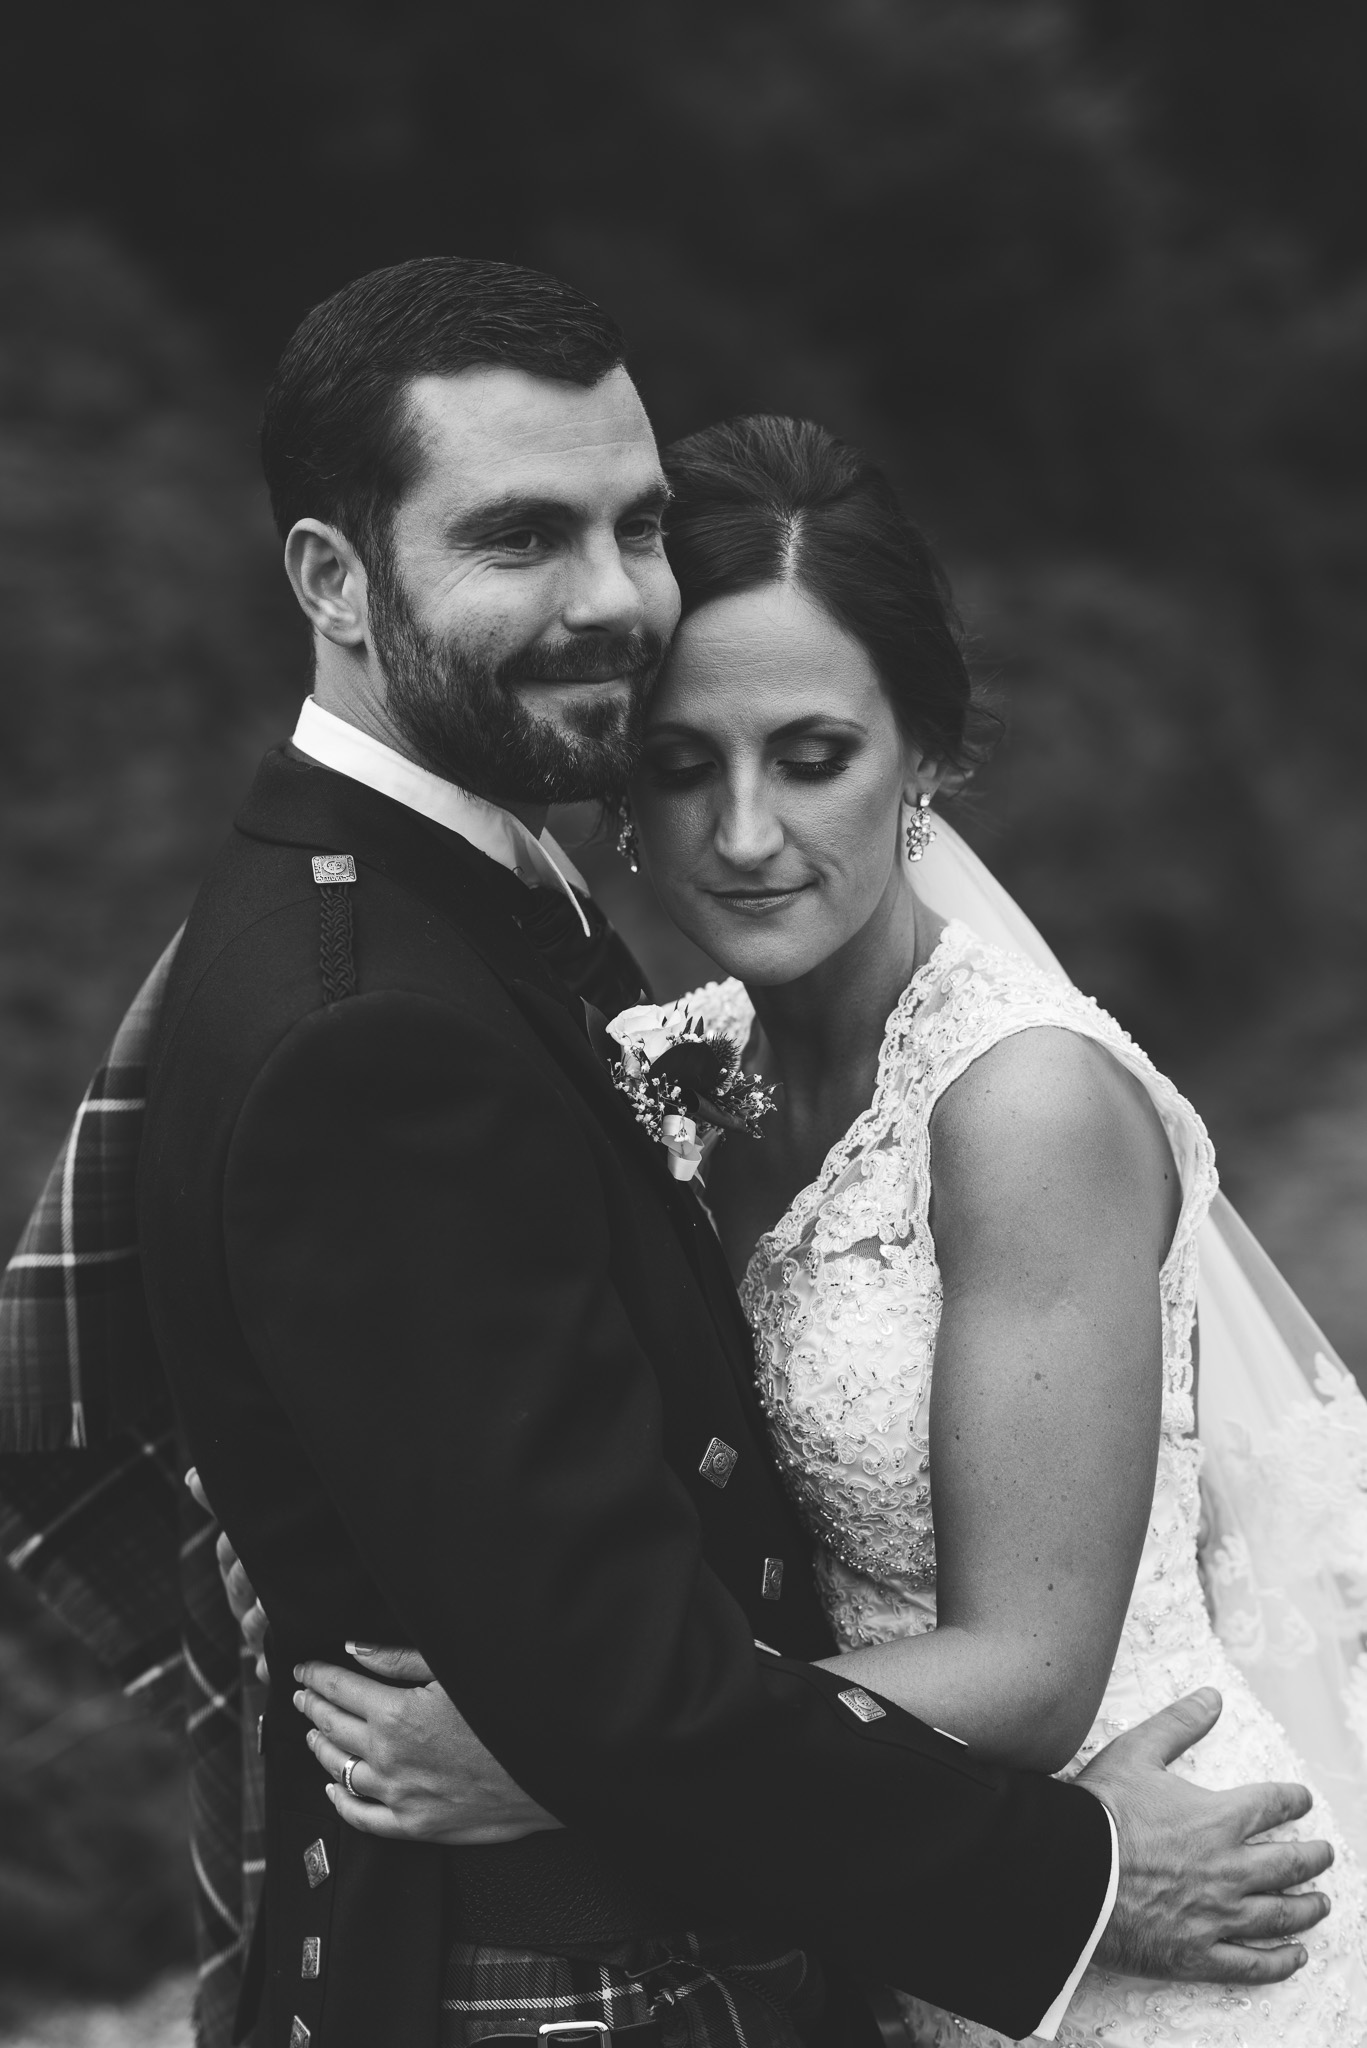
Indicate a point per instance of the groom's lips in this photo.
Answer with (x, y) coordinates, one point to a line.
(614, 675)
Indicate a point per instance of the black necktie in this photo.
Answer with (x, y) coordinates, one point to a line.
(594, 965)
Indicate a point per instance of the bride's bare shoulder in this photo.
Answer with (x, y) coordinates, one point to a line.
(1046, 1120)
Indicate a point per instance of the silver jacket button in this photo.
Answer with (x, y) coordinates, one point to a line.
(719, 1461)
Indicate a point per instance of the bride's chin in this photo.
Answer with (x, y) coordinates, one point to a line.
(761, 959)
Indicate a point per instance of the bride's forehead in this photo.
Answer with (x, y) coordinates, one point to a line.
(761, 651)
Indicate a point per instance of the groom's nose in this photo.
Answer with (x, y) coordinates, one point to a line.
(602, 596)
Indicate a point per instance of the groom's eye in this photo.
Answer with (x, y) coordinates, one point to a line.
(519, 540)
(641, 531)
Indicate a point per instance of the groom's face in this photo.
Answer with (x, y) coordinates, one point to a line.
(525, 603)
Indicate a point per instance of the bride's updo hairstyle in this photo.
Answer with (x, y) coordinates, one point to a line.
(763, 499)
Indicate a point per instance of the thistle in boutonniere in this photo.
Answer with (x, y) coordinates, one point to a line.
(677, 1075)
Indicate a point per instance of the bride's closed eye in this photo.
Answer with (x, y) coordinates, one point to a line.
(687, 774)
(814, 767)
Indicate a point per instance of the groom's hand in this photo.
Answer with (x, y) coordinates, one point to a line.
(419, 1772)
(1195, 1889)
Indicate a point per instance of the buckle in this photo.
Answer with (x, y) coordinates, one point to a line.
(562, 2028)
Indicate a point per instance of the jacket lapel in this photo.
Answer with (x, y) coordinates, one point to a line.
(294, 802)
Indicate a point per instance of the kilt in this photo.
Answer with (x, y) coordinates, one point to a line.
(704, 1990)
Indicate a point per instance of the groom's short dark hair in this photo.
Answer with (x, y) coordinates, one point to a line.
(337, 443)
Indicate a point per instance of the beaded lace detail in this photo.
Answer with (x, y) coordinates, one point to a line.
(844, 1298)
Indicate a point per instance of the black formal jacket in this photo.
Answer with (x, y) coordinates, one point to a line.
(450, 1349)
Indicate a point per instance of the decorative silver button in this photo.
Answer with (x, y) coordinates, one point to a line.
(316, 1864)
(333, 867)
(862, 1704)
(299, 2034)
(312, 1960)
(771, 1585)
(719, 1461)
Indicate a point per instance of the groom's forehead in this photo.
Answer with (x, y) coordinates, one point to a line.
(496, 431)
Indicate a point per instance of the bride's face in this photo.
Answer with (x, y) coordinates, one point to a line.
(769, 794)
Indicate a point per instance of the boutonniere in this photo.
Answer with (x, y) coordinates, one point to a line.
(678, 1075)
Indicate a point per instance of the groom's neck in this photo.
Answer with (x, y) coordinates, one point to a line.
(351, 691)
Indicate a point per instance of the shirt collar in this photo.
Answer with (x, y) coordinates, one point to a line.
(540, 863)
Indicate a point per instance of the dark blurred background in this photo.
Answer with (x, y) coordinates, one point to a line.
(1090, 276)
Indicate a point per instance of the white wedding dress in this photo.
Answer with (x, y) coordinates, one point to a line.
(844, 1298)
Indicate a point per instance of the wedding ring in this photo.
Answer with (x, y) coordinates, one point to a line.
(347, 1770)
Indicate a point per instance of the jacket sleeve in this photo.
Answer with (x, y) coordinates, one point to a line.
(462, 1375)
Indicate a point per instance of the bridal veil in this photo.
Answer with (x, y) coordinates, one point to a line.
(1283, 1427)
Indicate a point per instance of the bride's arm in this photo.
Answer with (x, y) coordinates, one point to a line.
(1054, 1200)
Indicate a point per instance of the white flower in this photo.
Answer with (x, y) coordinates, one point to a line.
(643, 1035)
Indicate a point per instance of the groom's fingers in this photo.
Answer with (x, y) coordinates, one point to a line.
(1261, 1807)
(1278, 1918)
(1173, 1729)
(1230, 1964)
(1281, 1866)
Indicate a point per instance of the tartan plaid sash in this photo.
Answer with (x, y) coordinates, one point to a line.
(75, 1343)
(101, 1523)
(704, 1990)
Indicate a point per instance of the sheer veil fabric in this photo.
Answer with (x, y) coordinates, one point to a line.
(1283, 1429)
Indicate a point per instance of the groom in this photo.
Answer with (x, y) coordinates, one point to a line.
(459, 1363)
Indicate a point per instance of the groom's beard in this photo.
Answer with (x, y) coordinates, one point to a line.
(463, 721)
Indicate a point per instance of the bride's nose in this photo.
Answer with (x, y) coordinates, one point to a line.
(748, 831)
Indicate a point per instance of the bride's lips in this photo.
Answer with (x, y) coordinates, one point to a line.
(758, 902)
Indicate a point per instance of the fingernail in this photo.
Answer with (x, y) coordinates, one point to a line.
(361, 1649)
(299, 1701)
(311, 1737)
(191, 1475)
(299, 1672)
(331, 1791)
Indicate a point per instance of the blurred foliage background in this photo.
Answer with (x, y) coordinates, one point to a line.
(1090, 276)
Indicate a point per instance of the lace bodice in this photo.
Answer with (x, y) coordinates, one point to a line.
(844, 1299)
(843, 1294)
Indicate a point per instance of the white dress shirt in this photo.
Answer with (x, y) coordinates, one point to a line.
(540, 863)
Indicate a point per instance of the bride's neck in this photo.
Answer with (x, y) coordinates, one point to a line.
(825, 1029)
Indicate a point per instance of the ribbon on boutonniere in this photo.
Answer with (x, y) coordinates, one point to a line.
(678, 1076)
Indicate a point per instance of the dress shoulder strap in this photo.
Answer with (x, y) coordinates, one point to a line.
(975, 995)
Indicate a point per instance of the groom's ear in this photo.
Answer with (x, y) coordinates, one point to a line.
(328, 579)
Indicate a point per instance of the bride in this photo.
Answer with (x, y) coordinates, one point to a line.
(969, 1237)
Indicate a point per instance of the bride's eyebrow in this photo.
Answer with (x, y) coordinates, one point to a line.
(817, 722)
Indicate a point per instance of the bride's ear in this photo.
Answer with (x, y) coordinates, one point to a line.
(329, 581)
(922, 774)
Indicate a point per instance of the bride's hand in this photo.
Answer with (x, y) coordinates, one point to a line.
(420, 1774)
(247, 1610)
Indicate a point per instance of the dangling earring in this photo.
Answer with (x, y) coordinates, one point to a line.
(920, 831)
(627, 845)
